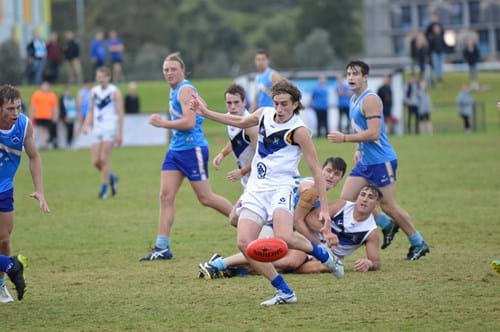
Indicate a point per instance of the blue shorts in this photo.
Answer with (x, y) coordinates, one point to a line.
(192, 163)
(7, 201)
(379, 175)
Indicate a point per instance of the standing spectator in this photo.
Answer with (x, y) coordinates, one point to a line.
(98, 51)
(472, 57)
(437, 46)
(54, 51)
(68, 113)
(43, 112)
(132, 102)
(83, 102)
(115, 46)
(37, 54)
(466, 104)
(385, 94)
(71, 51)
(319, 103)
(344, 94)
(424, 109)
(422, 56)
(411, 102)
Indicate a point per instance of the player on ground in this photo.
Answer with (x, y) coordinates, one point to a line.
(283, 138)
(16, 133)
(264, 80)
(305, 199)
(187, 156)
(376, 160)
(242, 142)
(106, 117)
(14, 267)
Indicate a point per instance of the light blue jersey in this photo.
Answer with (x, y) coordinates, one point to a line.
(184, 139)
(11, 149)
(372, 152)
(263, 82)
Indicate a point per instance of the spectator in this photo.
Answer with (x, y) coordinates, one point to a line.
(132, 103)
(54, 51)
(424, 109)
(37, 54)
(68, 113)
(411, 102)
(83, 102)
(437, 46)
(98, 51)
(466, 104)
(385, 94)
(319, 103)
(43, 112)
(472, 57)
(344, 94)
(71, 51)
(115, 46)
(422, 55)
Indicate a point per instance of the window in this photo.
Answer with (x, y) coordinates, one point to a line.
(474, 12)
(423, 15)
(401, 17)
(484, 42)
(455, 12)
(497, 33)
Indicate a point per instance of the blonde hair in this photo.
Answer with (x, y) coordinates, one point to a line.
(176, 57)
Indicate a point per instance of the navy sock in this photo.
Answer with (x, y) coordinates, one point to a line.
(104, 188)
(280, 284)
(6, 263)
(319, 253)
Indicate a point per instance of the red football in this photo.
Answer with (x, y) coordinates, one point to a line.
(267, 250)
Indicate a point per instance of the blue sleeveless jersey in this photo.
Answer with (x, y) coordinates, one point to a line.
(11, 149)
(264, 82)
(372, 152)
(184, 139)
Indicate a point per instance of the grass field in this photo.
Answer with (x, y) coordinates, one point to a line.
(85, 274)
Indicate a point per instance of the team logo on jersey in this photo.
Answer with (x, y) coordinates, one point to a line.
(261, 170)
(15, 140)
(282, 201)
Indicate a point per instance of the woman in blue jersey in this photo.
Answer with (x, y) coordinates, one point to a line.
(16, 133)
(376, 160)
(187, 156)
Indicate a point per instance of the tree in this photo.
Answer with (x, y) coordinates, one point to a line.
(315, 51)
(11, 67)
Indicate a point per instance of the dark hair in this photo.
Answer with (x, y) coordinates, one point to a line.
(263, 52)
(285, 86)
(236, 89)
(337, 163)
(365, 69)
(176, 57)
(8, 93)
(374, 189)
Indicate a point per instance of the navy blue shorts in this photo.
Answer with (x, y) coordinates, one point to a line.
(379, 175)
(7, 201)
(192, 163)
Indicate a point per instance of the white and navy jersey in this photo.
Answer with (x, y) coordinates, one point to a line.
(11, 149)
(351, 233)
(242, 149)
(105, 114)
(275, 163)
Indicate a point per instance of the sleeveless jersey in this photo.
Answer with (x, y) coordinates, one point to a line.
(372, 152)
(184, 139)
(105, 115)
(263, 82)
(351, 233)
(275, 163)
(242, 150)
(11, 149)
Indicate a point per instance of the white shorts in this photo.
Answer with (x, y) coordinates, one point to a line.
(104, 135)
(263, 203)
(266, 232)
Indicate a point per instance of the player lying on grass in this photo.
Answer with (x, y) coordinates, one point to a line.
(353, 224)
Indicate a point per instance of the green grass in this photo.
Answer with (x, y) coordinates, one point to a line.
(85, 274)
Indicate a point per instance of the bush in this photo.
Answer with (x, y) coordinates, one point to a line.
(11, 65)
